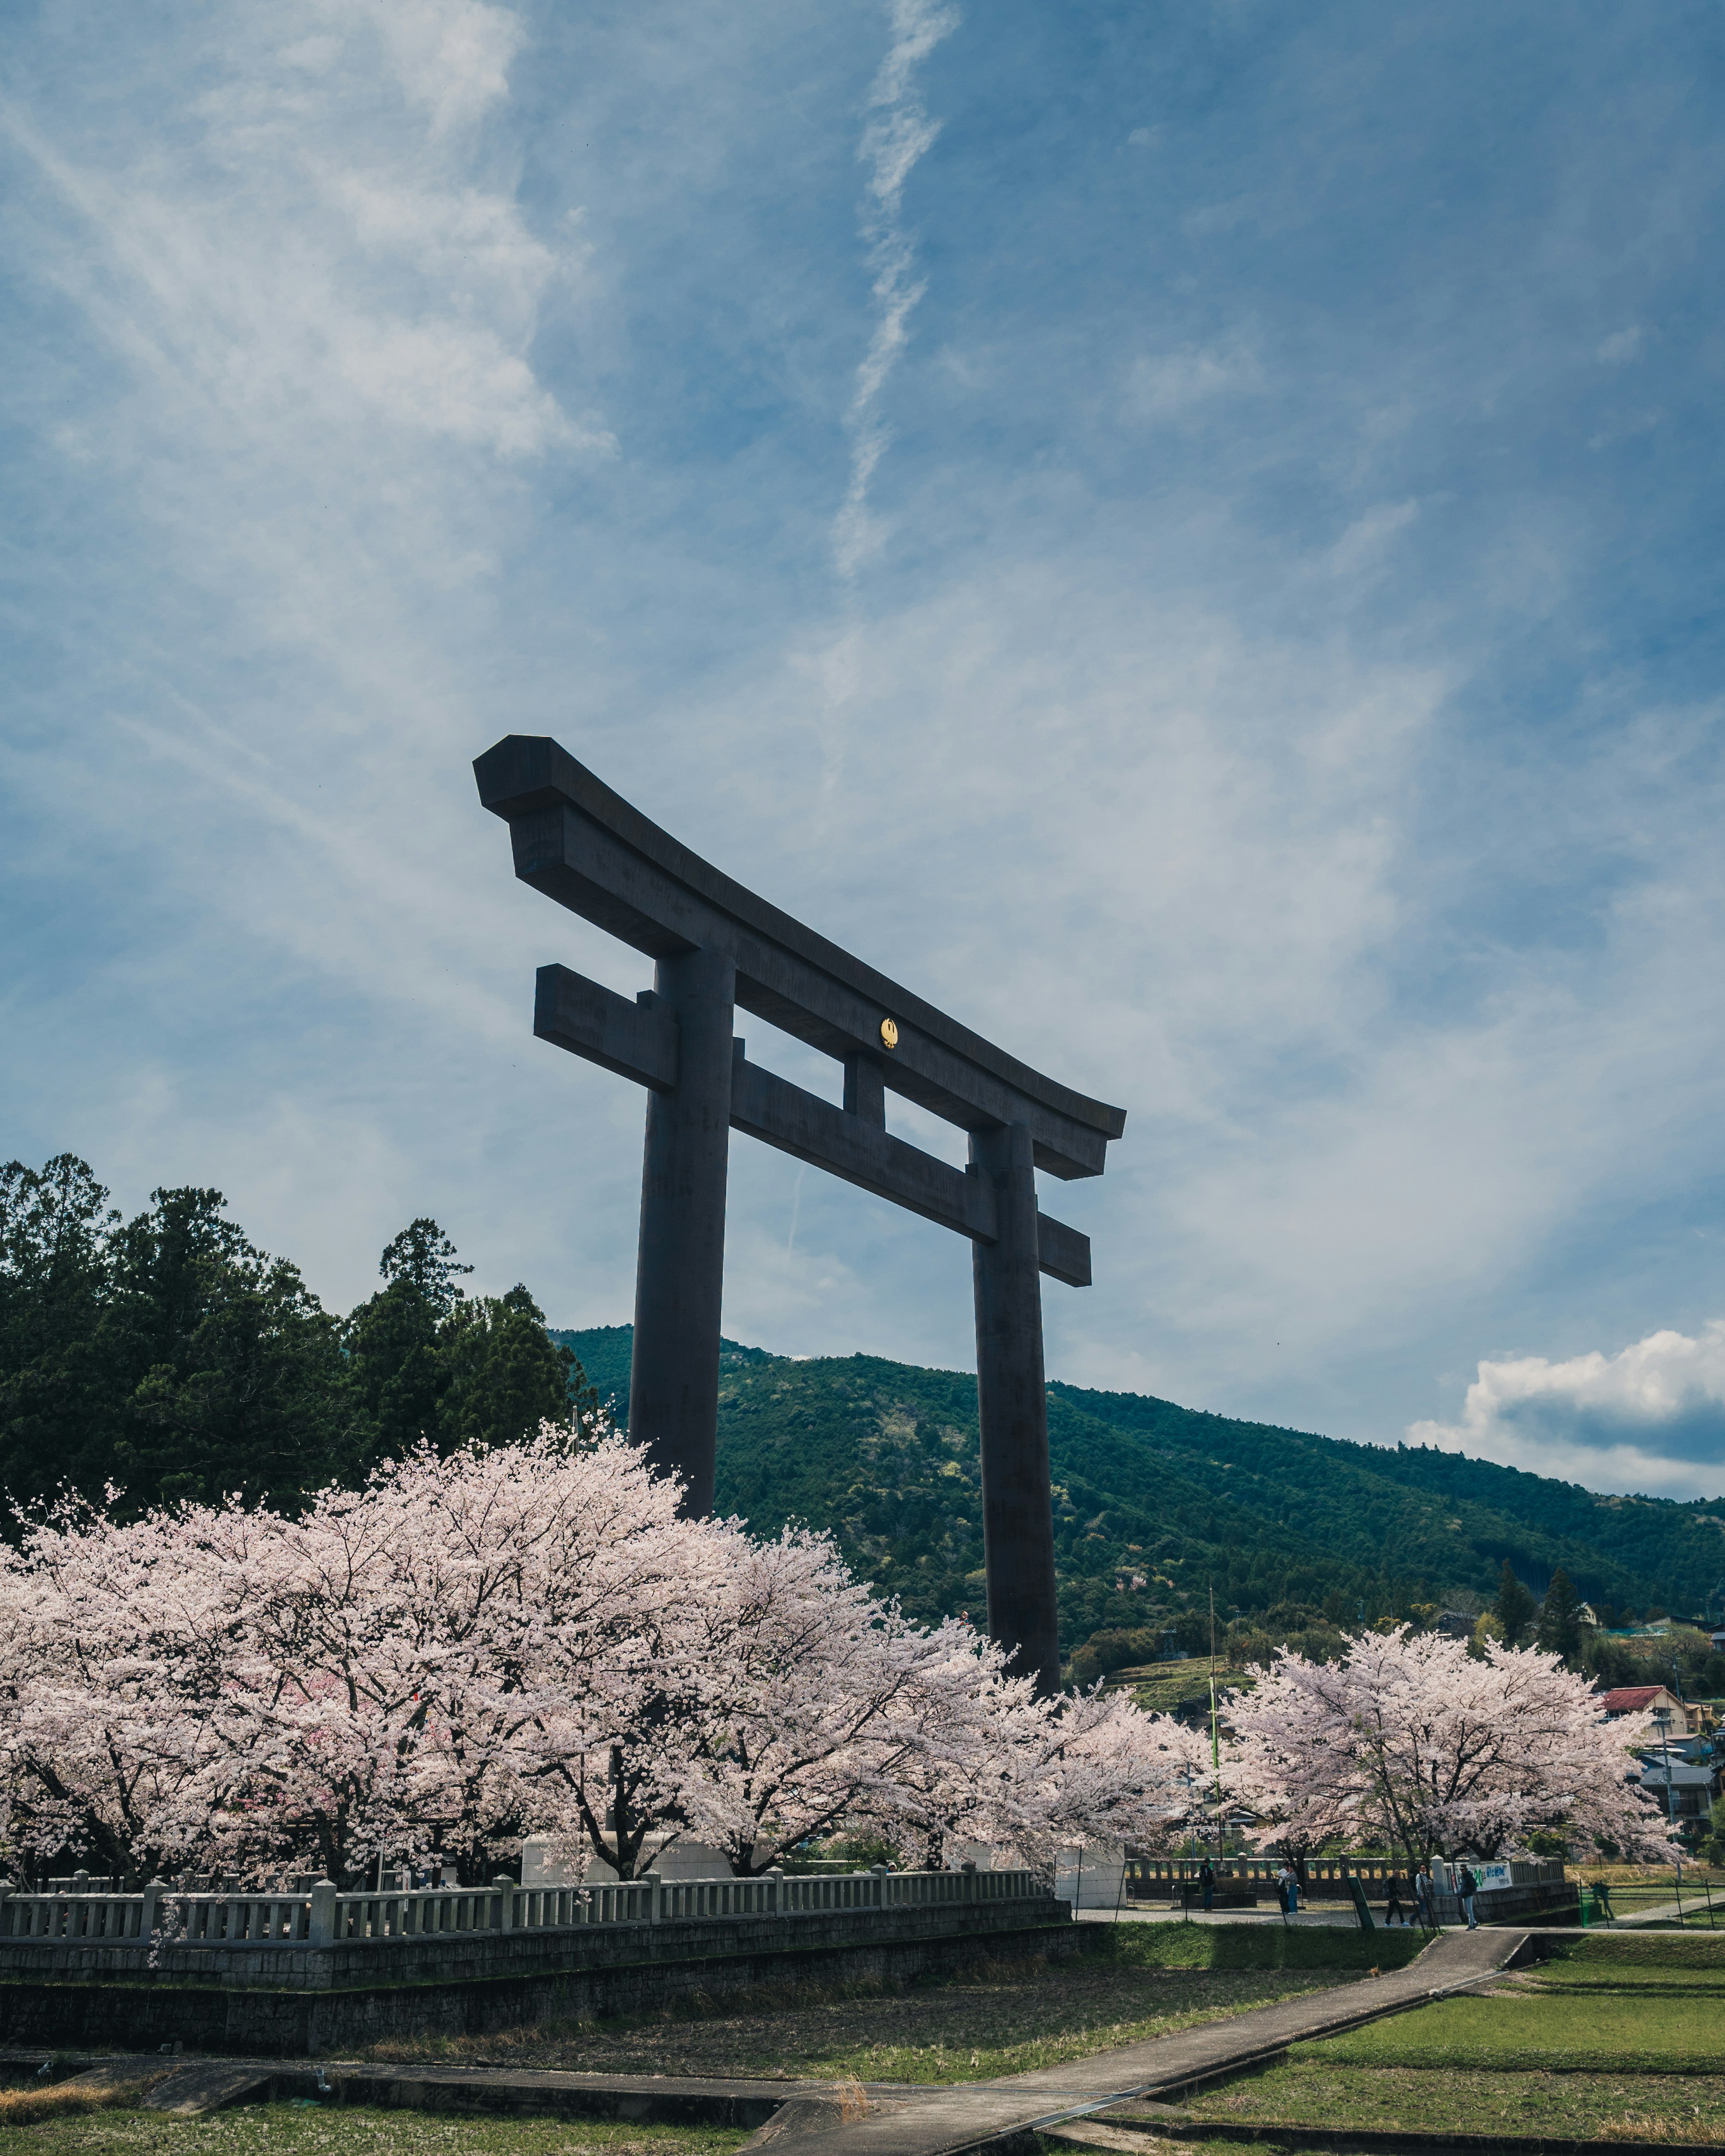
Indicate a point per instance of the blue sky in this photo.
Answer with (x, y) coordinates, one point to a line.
(1190, 534)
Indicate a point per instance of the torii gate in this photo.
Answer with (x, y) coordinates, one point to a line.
(715, 946)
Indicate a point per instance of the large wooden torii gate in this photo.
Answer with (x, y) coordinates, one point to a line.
(717, 947)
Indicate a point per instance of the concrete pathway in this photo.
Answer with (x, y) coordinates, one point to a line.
(948, 2122)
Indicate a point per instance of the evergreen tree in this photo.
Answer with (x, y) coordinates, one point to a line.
(423, 1257)
(428, 1363)
(170, 1355)
(504, 1377)
(60, 1386)
(235, 1365)
(1560, 1620)
(1515, 1608)
(165, 1354)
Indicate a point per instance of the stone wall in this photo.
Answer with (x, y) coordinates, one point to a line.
(478, 1983)
(1552, 1902)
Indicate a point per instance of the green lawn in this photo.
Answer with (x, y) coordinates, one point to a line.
(1254, 1946)
(1617, 2036)
(282, 2129)
(1327, 2092)
(1553, 2032)
(1637, 2005)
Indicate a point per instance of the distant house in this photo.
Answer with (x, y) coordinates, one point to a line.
(1690, 1789)
(1455, 1624)
(1647, 1699)
(1585, 1614)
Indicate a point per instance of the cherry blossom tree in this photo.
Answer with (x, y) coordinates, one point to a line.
(1445, 1755)
(1283, 1764)
(448, 1651)
(114, 1640)
(825, 1705)
(1090, 1769)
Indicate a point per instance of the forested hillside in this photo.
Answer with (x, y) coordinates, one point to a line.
(1155, 1503)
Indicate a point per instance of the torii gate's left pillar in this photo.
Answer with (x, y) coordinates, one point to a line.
(680, 1267)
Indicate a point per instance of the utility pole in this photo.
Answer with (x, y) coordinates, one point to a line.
(1215, 1741)
(1662, 1716)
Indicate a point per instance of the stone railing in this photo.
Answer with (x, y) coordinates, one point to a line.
(321, 1915)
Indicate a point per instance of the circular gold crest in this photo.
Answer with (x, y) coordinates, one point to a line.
(889, 1034)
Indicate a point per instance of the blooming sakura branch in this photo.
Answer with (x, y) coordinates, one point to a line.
(528, 1640)
(1411, 1742)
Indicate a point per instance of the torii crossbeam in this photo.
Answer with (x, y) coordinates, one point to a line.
(715, 948)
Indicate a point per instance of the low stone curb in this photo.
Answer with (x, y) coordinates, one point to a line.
(1102, 2133)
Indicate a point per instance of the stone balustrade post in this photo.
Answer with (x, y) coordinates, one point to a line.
(504, 1887)
(877, 1872)
(322, 1931)
(151, 1915)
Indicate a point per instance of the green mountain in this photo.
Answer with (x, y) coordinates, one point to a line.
(1156, 1505)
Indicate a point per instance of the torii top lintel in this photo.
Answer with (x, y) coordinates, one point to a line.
(583, 844)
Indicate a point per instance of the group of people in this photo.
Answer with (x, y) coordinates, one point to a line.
(1422, 1891)
(1465, 1887)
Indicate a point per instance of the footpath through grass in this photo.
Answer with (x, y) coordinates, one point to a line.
(282, 2129)
(1132, 1981)
(1618, 2037)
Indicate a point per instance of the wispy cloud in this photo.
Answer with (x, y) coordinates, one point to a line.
(898, 131)
(1171, 385)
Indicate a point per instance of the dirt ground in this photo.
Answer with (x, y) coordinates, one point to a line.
(998, 2019)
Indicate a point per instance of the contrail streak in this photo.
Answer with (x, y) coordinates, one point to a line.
(897, 132)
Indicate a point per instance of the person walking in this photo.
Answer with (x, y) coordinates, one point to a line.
(1289, 1881)
(1468, 1887)
(1207, 1880)
(1282, 1889)
(1423, 1897)
(1393, 1903)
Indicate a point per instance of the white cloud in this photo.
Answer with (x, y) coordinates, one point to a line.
(452, 57)
(1650, 1418)
(1364, 547)
(1620, 347)
(1167, 385)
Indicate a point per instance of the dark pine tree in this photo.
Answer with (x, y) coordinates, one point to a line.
(1560, 1618)
(1515, 1607)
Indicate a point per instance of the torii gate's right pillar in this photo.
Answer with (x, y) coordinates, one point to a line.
(1012, 1403)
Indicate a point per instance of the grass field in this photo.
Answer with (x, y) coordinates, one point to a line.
(1314, 2092)
(1254, 1946)
(1550, 2031)
(1136, 1980)
(1638, 2005)
(281, 2129)
(1617, 2036)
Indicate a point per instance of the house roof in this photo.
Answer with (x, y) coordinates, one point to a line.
(1630, 1699)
